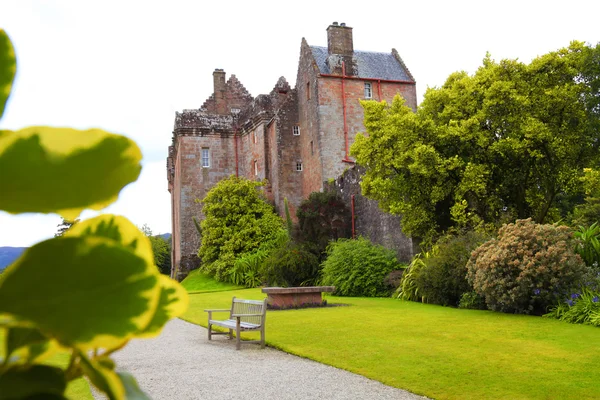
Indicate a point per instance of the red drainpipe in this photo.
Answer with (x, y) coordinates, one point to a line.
(344, 108)
(353, 229)
(236, 150)
(379, 88)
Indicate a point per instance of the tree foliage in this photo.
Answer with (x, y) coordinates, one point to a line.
(64, 226)
(322, 218)
(510, 141)
(92, 289)
(161, 250)
(237, 221)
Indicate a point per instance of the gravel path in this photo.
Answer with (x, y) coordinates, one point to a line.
(182, 364)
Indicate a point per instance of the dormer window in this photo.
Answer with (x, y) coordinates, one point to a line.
(296, 130)
(368, 90)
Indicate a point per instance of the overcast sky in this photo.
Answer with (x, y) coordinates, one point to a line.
(127, 66)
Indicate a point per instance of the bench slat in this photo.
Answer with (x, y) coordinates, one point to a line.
(230, 324)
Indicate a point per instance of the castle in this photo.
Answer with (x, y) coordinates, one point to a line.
(296, 138)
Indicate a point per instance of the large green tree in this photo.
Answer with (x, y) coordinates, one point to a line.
(237, 221)
(509, 141)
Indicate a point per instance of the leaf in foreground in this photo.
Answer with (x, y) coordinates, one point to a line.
(86, 292)
(41, 380)
(8, 68)
(173, 302)
(64, 170)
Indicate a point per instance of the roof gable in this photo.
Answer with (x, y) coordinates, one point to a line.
(370, 65)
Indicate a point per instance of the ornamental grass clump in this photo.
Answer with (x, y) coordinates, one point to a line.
(529, 268)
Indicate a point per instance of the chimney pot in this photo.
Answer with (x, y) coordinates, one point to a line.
(334, 23)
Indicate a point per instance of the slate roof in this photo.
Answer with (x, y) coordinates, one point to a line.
(370, 64)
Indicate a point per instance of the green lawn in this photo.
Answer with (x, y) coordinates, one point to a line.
(78, 389)
(440, 352)
(197, 281)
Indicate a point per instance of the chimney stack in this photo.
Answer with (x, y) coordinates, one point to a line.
(339, 39)
(341, 50)
(219, 91)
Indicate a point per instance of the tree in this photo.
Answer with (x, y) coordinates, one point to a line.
(510, 141)
(161, 249)
(64, 226)
(322, 218)
(237, 221)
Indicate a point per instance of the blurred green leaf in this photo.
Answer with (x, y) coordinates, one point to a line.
(8, 68)
(103, 377)
(132, 390)
(64, 170)
(86, 292)
(117, 228)
(173, 303)
(29, 344)
(21, 383)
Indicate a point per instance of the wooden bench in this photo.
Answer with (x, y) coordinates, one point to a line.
(244, 315)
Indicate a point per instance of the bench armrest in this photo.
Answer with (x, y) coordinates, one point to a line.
(246, 315)
(219, 310)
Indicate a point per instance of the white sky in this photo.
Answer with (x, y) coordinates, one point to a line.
(127, 66)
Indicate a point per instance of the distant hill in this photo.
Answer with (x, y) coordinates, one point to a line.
(9, 254)
(166, 236)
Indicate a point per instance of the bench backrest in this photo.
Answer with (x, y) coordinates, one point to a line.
(239, 306)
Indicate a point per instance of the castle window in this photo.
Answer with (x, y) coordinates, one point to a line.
(205, 158)
(296, 130)
(298, 165)
(256, 167)
(368, 90)
(254, 139)
(307, 90)
(312, 150)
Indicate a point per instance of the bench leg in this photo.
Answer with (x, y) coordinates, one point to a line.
(231, 334)
(262, 337)
(209, 331)
(237, 334)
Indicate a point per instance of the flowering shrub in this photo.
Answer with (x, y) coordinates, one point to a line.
(358, 267)
(579, 308)
(527, 269)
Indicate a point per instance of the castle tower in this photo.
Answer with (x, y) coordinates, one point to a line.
(297, 139)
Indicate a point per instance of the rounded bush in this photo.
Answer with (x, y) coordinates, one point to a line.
(290, 265)
(358, 268)
(527, 269)
(443, 278)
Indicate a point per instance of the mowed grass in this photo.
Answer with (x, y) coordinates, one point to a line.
(197, 281)
(77, 389)
(440, 352)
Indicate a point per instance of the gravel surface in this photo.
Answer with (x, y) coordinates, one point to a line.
(182, 364)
